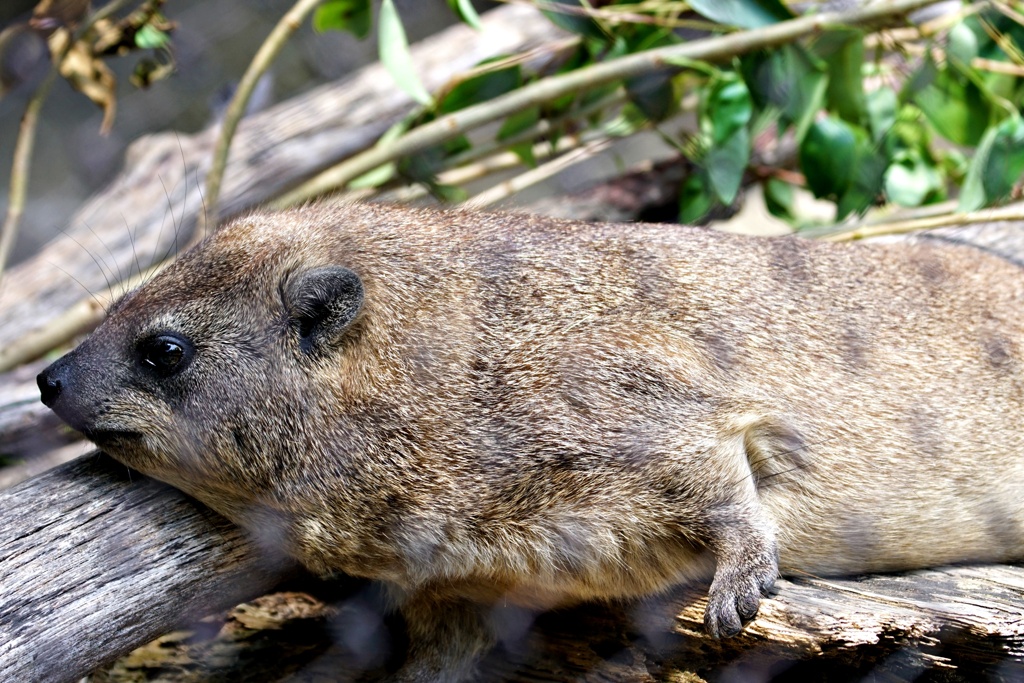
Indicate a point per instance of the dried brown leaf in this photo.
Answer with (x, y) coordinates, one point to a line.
(87, 74)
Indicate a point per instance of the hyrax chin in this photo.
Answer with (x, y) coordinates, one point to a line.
(482, 409)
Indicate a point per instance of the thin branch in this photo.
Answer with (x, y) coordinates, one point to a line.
(27, 135)
(264, 58)
(506, 189)
(1013, 213)
(471, 171)
(661, 59)
(998, 67)
(543, 127)
(618, 14)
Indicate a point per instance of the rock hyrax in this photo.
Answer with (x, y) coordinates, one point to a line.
(482, 408)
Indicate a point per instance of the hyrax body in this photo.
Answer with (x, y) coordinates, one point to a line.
(480, 408)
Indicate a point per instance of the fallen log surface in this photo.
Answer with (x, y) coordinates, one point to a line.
(96, 560)
(965, 621)
(959, 624)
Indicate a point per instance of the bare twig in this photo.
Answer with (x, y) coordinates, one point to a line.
(506, 189)
(614, 14)
(264, 58)
(1007, 213)
(998, 67)
(660, 59)
(470, 171)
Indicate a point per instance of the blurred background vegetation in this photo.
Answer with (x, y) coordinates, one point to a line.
(212, 44)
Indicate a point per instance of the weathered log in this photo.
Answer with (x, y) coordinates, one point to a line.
(96, 560)
(903, 627)
(965, 619)
(32, 438)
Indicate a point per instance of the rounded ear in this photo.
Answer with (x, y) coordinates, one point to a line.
(322, 303)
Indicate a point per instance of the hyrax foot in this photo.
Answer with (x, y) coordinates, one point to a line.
(741, 579)
(448, 638)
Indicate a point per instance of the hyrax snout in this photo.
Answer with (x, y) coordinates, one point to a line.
(483, 408)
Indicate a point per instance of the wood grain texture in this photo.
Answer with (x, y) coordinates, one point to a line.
(96, 560)
(969, 619)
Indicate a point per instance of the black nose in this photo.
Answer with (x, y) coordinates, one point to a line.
(51, 382)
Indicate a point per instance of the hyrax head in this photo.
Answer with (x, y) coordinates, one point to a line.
(206, 377)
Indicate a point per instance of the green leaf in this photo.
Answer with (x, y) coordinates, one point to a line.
(827, 154)
(962, 44)
(344, 15)
(481, 88)
(374, 178)
(725, 164)
(742, 13)
(728, 107)
(843, 53)
(725, 113)
(1006, 160)
(422, 167)
(691, 64)
(841, 163)
(808, 98)
(575, 23)
(653, 94)
(997, 166)
(956, 108)
(972, 193)
(150, 38)
(456, 145)
(517, 123)
(449, 194)
(790, 80)
(865, 180)
(466, 13)
(394, 53)
(386, 172)
(694, 199)
(954, 164)
(524, 150)
(628, 122)
(912, 180)
(779, 198)
(882, 105)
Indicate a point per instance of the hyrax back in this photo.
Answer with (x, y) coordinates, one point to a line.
(482, 407)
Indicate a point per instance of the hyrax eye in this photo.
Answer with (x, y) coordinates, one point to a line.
(165, 354)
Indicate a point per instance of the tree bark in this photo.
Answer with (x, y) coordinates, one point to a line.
(96, 560)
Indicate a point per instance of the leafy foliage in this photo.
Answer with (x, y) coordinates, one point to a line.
(874, 117)
(344, 15)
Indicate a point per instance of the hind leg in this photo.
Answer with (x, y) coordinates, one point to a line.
(447, 640)
(747, 565)
(726, 517)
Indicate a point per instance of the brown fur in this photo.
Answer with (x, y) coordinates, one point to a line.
(541, 412)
